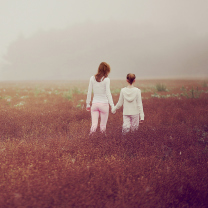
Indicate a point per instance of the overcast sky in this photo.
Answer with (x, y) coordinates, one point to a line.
(27, 17)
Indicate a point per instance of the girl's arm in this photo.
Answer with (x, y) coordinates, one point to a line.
(139, 101)
(120, 101)
(89, 93)
(108, 93)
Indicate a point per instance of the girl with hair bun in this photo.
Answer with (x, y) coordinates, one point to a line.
(130, 98)
(100, 85)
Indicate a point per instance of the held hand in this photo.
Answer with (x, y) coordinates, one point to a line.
(88, 108)
(113, 110)
(141, 121)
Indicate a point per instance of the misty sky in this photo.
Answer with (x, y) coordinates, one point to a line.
(25, 18)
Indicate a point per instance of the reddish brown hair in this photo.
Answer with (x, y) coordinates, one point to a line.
(130, 78)
(103, 71)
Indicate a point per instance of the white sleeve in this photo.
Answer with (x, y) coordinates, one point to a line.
(139, 101)
(108, 93)
(89, 93)
(120, 101)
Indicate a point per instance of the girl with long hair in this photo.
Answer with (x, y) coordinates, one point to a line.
(130, 98)
(100, 85)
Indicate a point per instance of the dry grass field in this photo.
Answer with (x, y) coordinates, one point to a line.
(47, 158)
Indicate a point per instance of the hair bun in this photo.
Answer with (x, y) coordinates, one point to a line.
(130, 77)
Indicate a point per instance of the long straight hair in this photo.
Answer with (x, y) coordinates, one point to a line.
(103, 71)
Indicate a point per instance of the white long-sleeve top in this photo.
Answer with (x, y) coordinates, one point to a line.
(131, 100)
(101, 91)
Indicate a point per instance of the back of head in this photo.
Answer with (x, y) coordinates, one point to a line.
(103, 71)
(130, 78)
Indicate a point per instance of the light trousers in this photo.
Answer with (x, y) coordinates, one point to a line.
(102, 110)
(130, 123)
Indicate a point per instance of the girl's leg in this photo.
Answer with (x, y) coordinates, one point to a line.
(134, 122)
(94, 116)
(104, 111)
(126, 124)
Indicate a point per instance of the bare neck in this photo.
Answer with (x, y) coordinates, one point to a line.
(130, 85)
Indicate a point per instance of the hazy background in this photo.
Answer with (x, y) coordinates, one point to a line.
(67, 39)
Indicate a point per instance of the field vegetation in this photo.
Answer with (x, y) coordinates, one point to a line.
(47, 158)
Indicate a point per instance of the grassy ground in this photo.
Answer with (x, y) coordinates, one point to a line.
(47, 158)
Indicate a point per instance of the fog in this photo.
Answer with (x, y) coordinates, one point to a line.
(152, 40)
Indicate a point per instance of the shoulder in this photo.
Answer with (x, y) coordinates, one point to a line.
(137, 89)
(92, 78)
(106, 80)
(123, 89)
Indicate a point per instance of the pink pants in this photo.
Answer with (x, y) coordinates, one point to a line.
(130, 122)
(101, 109)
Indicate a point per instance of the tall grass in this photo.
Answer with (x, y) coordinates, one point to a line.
(204, 84)
(48, 159)
(192, 93)
(68, 95)
(161, 87)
